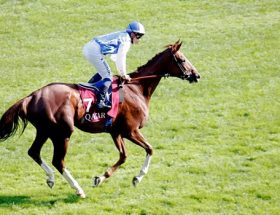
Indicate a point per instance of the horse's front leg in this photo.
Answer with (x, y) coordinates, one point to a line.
(137, 138)
(119, 142)
(145, 168)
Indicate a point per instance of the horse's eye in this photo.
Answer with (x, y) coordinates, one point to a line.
(181, 60)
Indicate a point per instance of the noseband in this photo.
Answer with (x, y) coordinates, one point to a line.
(184, 74)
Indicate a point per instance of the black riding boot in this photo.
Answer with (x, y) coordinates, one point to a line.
(103, 87)
(100, 104)
(95, 78)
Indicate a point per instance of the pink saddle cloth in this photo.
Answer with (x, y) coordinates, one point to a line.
(89, 99)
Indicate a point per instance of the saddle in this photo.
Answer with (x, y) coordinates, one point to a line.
(114, 96)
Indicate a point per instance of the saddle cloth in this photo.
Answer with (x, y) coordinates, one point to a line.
(89, 98)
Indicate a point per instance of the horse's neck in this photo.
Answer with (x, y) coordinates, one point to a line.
(148, 77)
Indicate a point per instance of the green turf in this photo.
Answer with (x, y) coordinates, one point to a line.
(216, 143)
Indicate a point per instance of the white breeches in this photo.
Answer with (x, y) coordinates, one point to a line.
(92, 53)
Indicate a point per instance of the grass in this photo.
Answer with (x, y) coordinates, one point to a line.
(216, 143)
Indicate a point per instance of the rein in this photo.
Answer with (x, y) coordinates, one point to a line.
(148, 77)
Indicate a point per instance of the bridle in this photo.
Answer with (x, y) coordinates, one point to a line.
(184, 74)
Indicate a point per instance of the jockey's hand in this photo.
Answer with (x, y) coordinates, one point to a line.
(126, 78)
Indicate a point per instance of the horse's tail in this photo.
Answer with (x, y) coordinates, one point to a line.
(11, 119)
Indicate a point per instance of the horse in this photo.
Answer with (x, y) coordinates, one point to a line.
(55, 109)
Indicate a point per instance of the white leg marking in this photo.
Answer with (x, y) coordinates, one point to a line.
(143, 171)
(50, 174)
(98, 180)
(73, 183)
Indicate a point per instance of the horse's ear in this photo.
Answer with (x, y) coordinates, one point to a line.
(179, 44)
(176, 46)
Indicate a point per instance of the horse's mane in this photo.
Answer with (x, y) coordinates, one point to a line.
(151, 61)
(172, 47)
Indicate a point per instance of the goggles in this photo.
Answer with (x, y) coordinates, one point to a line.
(138, 35)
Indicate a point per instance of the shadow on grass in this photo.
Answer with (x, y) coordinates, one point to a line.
(7, 201)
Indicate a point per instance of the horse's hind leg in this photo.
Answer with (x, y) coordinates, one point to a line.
(60, 144)
(34, 153)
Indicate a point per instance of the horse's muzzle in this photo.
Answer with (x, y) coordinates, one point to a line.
(193, 77)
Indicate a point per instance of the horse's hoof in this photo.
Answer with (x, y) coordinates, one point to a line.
(81, 194)
(50, 183)
(135, 181)
(96, 181)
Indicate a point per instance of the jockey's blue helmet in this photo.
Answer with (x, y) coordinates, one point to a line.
(135, 27)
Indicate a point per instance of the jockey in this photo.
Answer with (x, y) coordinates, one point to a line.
(117, 45)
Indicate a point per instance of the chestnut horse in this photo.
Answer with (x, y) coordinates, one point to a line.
(56, 109)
